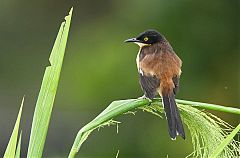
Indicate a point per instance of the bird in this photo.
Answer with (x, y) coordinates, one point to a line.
(159, 70)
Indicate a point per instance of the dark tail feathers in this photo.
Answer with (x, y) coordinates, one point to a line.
(175, 125)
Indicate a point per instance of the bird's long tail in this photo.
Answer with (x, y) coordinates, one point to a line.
(175, 126)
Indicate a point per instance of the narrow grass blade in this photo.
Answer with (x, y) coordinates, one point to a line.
(47, 92)
(11, 147)
(18, 151)
(225, 142)
(205, 128)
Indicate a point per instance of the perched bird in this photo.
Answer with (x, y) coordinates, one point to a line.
(159, 70)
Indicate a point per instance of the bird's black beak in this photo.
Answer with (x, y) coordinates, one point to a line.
(131, 40)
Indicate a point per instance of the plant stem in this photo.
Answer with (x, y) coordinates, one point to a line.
(205, 106)
(210, 106)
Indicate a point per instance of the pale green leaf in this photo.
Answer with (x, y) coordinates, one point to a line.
(206, 129)
(12, 144)
(44, 105)
(18, 151)
(225, 142)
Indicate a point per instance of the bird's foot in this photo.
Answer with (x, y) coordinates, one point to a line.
(144, 97)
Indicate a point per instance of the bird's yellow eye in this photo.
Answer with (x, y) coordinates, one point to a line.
(145, 39)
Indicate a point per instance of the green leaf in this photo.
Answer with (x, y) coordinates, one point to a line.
(205, 128)
(18, 153)
(114, 109)
(225, 142)
(44, 105)
(11, 148)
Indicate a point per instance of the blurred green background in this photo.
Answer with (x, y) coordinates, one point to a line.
(99, 68)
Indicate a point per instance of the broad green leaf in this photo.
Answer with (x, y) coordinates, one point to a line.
(205, 128)
(225, 142)
(18, 151)
(11, 147)
(114, 109)
(44, 105)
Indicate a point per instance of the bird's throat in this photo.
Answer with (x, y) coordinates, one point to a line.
(142, 44)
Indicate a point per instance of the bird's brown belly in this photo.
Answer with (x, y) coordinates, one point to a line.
(159, 65)
(164, 67)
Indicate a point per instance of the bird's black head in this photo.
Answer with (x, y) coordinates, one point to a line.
(147, 38)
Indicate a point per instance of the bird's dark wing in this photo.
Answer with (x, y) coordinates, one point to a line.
(176, 84)
(149, 85)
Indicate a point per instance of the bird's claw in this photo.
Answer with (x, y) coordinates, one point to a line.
(144, 97)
